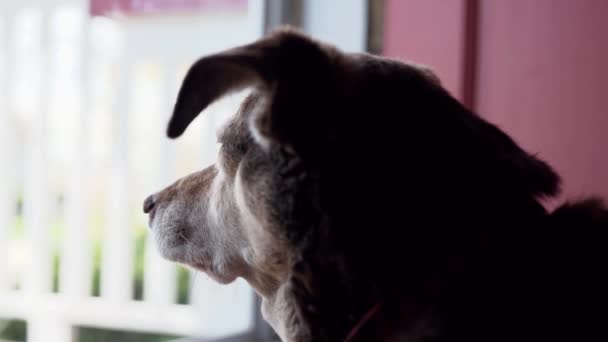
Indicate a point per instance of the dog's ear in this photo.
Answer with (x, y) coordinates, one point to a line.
(519, 168)
(471, 149)
(287, 68)
(212, 77)
(486, 152)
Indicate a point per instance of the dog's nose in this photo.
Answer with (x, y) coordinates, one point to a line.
(149, 204)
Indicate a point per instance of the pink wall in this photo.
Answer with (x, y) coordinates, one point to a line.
(541, 73)
(543, 77)
(430, 32)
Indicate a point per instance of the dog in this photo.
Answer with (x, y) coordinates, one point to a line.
(363, 202)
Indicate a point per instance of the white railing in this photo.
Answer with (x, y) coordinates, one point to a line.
(99, 145)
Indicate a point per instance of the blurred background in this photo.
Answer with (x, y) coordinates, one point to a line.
(86, 88)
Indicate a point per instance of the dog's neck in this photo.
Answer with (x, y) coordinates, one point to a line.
(277, 310)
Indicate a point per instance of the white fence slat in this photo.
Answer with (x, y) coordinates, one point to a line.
(36, 200)
(6, 194)
(76, 257)
(159, 274)
(117, 254)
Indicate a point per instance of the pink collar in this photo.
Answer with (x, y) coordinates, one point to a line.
(353, 332)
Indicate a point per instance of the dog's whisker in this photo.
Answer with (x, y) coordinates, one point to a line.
(183, 237)
(191, 260)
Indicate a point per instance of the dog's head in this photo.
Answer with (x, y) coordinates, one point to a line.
(218, 220)
(348, 141)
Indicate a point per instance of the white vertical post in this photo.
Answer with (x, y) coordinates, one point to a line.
(117, 259)
(160, 275)
(76, 258)
(36, 198)
(6, 181)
